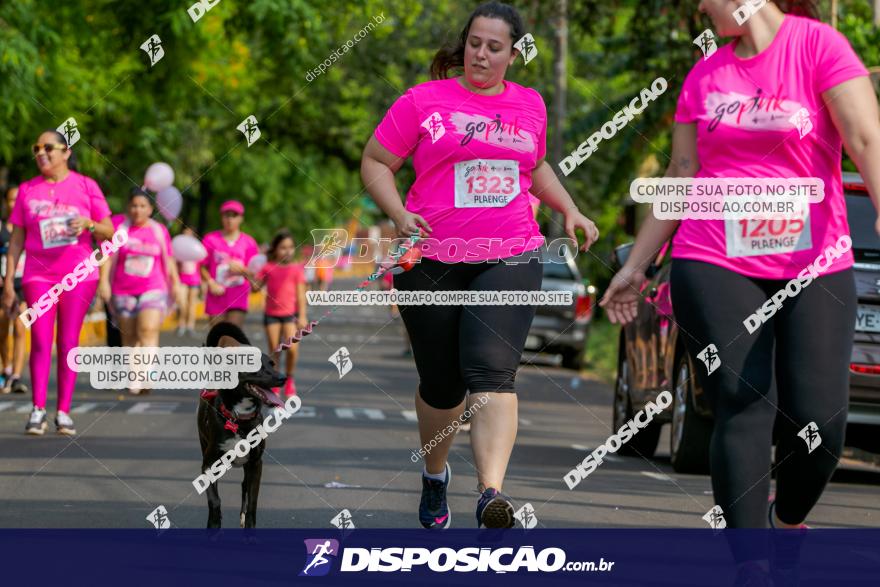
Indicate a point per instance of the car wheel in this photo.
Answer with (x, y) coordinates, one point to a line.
(573, 359)
(644, 442)
(691, 432)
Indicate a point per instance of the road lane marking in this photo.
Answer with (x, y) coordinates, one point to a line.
(657, 476)
(164, 408)
(350, 413)
(84, 408)
(153, 408)
(305, 412)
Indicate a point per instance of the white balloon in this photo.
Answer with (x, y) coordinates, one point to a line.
(256, 263)
(187, 248)
(170, 202)
(158, 177)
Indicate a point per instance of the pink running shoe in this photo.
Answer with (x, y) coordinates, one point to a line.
(289, 387)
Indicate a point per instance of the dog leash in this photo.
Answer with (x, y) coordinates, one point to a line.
(395, 257)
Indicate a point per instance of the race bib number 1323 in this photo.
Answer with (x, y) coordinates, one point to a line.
(486, 183)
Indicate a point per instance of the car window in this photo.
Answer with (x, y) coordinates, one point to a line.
(861, 215)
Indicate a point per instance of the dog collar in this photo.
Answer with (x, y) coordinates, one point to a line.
(232, 419)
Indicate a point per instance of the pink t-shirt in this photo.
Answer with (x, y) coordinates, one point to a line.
(220, 253)
(140, 264)
(742, 108)
(473, 156)
(281, 286)
(43, 210)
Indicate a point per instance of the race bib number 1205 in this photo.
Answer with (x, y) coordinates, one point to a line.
(752, 237)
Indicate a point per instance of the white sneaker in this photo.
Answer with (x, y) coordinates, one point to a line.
(64, 424)
(37, 422)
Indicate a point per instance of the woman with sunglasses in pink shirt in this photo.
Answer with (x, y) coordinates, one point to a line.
(55, 218)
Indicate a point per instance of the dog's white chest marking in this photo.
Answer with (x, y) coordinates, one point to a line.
(229, 444)
(245, 407)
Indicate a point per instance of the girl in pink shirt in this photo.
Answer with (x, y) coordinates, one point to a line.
(142, 277)
(55, 217)
(477, 142)
(285, 286)
(225, 268)
(777, 102)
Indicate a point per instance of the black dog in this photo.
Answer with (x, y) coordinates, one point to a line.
(226, 416)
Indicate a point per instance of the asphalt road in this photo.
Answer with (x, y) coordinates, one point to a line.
(133, 454)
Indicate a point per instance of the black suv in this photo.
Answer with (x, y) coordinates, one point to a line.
(563, 329)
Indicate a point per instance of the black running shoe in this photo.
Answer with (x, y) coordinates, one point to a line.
(18, 387)
(494, 510)
(433, 510)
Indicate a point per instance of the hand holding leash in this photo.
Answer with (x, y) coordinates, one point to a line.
(405, 259)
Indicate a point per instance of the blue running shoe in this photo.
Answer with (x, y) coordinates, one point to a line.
(433, 511)
(494, 510)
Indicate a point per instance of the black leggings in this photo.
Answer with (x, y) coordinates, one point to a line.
(461, 348)
(813, 337)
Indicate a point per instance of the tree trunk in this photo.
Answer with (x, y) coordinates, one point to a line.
(204, 199)
(557, 225)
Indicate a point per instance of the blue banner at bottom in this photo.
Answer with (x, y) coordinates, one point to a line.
(466, 557)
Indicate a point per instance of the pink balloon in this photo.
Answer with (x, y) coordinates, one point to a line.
(187, 248)
(256, 263)
(158, 177)
(170, 202)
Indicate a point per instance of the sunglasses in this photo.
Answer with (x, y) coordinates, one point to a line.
(47, 148)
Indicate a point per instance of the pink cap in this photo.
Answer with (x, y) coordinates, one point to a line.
(232, 206)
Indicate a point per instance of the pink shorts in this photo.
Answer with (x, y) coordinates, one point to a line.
(127, 306)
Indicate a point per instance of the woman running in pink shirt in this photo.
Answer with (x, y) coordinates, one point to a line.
(478, 148)
(55, 216)
(225, 268)
(779, 101)
(142, 277)
(285, 285)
